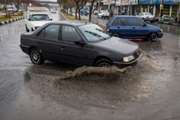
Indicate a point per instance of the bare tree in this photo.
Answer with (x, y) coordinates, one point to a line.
(91, 9)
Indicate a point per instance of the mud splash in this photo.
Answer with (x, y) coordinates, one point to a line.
(98, 71)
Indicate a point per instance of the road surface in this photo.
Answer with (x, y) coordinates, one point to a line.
(148, 91)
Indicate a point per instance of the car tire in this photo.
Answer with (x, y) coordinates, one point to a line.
(152, 37)
(103, 63)
(36, 57)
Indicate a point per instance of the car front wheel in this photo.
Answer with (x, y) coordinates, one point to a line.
(103, 63)
(36, 57)
(152, 37)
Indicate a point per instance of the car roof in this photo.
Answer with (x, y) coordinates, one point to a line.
(73, 23)
(125, 16)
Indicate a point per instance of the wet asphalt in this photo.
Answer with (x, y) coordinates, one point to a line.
(148, 91)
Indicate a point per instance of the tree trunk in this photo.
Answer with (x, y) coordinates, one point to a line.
(91, 10)
(79, 13)
(76, 13)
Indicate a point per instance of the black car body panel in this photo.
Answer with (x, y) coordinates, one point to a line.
(80, 52)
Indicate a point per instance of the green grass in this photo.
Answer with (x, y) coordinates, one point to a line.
(4, 18)
(69, 17)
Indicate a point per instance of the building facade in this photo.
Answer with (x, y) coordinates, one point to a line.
(134, 7)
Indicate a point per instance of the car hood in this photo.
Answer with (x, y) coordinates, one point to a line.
(38, 23)
(118, 45)
(153, 27)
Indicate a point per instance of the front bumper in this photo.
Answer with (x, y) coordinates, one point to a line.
(24, 48)
(137, 55)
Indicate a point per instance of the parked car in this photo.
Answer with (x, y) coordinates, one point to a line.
(132, 27)
(167, 19)
(11, 8)
(103, 14)
(146, 16)
(78, 43)
(36, 20)
(96, 12)
(52, 10)
(84, 12)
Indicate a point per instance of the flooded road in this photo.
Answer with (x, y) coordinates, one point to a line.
(149, 90)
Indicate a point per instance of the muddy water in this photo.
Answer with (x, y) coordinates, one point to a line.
(86, 86)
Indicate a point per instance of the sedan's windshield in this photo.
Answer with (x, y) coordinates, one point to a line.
(39, 17)
(93, 32)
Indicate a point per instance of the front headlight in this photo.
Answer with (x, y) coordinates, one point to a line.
(128, 58)
(161, 30)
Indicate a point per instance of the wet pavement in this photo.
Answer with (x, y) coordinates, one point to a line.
(148, 91)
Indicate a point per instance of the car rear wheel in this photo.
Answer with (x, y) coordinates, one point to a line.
(36, 57)
(103, 63)
(152, 37)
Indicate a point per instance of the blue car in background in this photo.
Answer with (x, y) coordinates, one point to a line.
(132, 27)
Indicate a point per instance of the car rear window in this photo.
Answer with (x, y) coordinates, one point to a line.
(129, 21)
(120, 21)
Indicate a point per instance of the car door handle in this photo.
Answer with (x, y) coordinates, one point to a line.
(62, 48)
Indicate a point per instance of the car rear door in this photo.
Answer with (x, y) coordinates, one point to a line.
(49, 42)
(73, 50)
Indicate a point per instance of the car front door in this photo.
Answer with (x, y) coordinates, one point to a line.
(74, 50)
(49, 42)
(138, 28)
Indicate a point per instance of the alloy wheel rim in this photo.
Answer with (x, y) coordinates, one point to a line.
(35, 57)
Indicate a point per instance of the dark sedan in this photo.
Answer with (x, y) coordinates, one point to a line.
(78, 43)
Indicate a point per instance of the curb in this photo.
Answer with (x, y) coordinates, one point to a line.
(11, 20)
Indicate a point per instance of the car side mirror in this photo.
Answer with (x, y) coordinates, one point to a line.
(79, 43)
(50, 19)
(144, 25)
(29, 19)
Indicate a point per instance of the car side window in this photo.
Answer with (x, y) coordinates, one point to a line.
(120, 21)
(51, 33)
(116, 22)
(69, 33)
(135, 22)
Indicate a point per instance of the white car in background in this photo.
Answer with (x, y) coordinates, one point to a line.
(103, 14)
(146, 16)
(36, 20)
(52, 10)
